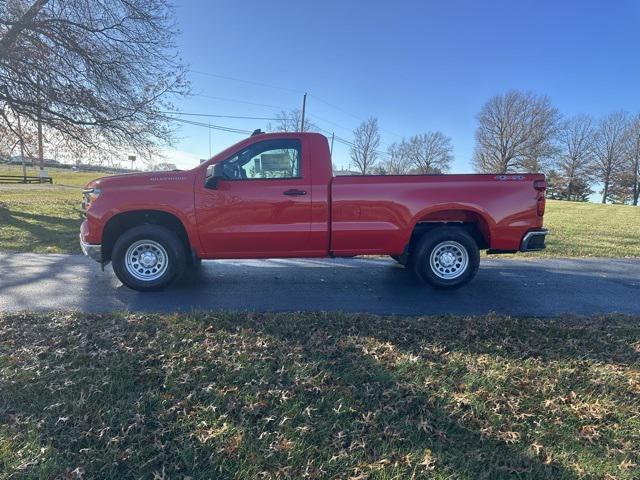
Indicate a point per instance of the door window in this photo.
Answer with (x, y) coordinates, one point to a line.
(270, 159)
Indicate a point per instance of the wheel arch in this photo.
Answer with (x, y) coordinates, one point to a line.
(478, 223)
(121, 222)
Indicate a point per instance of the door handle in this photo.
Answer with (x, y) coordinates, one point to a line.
(294, 192)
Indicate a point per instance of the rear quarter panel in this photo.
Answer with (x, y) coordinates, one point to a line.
(376, 214)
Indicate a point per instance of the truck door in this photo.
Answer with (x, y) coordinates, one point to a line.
(259, 204)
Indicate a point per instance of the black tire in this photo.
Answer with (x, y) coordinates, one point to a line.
(171, 269)
(458, 242)
(401, 259)
(193, 261)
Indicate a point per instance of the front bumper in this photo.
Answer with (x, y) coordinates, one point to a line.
(534, 240)
(91, 251)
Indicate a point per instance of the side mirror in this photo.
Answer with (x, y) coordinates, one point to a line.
(214, 173)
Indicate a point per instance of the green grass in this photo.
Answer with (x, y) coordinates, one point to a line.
(42, 218)
(61, 176)
(592, 230)
(248, 396)
(46, 218)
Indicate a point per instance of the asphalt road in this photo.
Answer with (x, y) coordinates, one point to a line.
(539, 287)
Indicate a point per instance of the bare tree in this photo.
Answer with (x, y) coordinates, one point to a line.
(366, 140)
(621, 188)
(554, 188)
(515, 131)
(609, 149)
(576, 142)
(429, 152)
(397, 162)
(164, 166)
(289, 121)
(633, 154)
(624, 186)
(96, 72)
(7, 142)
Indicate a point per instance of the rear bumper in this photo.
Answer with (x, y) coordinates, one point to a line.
(534, 240)
(91, 251)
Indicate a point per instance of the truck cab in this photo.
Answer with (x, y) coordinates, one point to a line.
(269, 198)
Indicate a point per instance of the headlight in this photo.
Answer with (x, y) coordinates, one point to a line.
(89, 196)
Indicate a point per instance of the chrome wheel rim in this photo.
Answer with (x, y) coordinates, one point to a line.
(146, 260)
(449, 260)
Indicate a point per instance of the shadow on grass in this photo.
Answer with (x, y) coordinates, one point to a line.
(264, 396)
(43, 230)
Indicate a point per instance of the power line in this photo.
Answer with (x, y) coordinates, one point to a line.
(220, 116)
(250, 82)
(338, 139)
(323, 130)
(247, 132)
(351, 144)
(336, 107)
(357, 117)
(332, 123)
(213, 127)
(246, 102)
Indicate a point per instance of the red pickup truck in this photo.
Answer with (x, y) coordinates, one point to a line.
(274, 196)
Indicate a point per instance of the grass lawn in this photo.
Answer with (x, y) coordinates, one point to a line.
(592, 230)
(42, 218)
(61, 176)
(248, 396)
(46, 218)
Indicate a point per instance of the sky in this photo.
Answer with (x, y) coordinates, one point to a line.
(415, 65)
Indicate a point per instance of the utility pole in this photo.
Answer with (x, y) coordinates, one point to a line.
(333, 135)
(40, 148)
(304, 108)
(209, 139)
(24, 165)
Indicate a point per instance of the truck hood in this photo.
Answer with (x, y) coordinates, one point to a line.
(144, 178)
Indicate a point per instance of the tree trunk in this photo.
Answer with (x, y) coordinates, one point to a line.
(636, 189)
(24, 165)
(40, 147)
(605, 191)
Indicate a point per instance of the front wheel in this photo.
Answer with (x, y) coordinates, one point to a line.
(401, 259)
(446, 257)
(148, 257)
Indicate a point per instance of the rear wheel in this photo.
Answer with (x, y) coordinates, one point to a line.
(446, 257)
(148, 257)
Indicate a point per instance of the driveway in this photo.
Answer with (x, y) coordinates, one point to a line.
(509, 286)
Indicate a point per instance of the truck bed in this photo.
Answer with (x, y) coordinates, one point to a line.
(376, 214)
